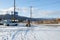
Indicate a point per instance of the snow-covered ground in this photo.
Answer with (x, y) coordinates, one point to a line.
(35, 32)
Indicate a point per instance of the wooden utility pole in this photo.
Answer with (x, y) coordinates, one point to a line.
(14, 6)
(14, 10)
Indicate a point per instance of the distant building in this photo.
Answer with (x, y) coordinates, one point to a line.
(14, 13)
(58, 20)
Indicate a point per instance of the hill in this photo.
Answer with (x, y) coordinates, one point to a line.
(8, 16)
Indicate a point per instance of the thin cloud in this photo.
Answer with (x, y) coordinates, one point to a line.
(36, 12)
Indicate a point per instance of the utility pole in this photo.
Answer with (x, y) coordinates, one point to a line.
(14, 6)
(14, 10)
(30, 14)
(29, 20)
(30, 11)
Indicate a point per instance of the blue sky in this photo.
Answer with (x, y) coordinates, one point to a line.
(41, 8)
